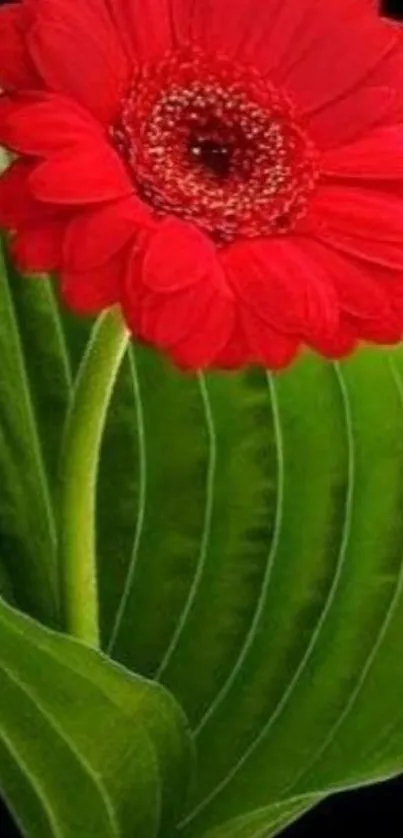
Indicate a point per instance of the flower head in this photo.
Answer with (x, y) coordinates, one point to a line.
(229, 173)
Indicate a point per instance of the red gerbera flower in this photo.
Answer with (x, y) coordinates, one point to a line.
(229, 171)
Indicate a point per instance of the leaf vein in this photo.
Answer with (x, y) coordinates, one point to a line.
(205, 536)
(35, 785)
(398, 589)
(271, 557)
(340, 564)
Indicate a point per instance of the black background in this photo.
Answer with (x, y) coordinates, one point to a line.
(377, 810)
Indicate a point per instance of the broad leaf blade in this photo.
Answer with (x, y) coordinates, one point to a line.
(279, 633)
(310, 703)
(34, 391)
(170, 472)
(87, 745)
(266, 822)
(250, 545)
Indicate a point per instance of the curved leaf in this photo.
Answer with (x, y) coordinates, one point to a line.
(250, 548)
(265, 822)
(277, 632)
(171, 474)
(35, 382)
(86, 748)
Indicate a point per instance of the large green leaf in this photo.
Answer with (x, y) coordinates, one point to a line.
(35, 383)
(263, 570)
(40, 352)
(250, 556)
(86, 748)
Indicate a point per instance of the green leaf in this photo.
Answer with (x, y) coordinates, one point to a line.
(35, 383)
(250, 549)
(86, 748)
(263, 571)
(265, 822)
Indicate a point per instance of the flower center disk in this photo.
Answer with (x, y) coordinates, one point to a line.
(215, 143)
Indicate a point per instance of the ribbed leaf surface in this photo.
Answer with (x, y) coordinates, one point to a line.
(86, 748)
(250, 556)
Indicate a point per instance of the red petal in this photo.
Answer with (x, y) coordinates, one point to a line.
(204, 344)
(91, 175)
(145, 26)
(344, 34)
(378, 156)
(149, 314)
(282, 285)
(366, 223)
(360, 211)
(8, 107)
(237, 352)
(269, 347)
(386, 332)
(16, 67)
(340, 344)
(98, 72)
(17, 204)
(192, 324)
(352, 116)
(168, 319)
(240, 30)
(95, 235)
(89, 292)
(279, 36)
(179, 255)
(49, 125)
(387, 328)
(38, 247)
(361, 293)
(385, 254)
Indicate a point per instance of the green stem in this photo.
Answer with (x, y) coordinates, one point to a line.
(80, 459)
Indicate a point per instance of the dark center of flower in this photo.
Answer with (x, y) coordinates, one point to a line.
(217, 144)
(211, 154)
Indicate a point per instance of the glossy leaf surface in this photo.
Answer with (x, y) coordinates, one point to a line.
(250, 555)
(86, 747)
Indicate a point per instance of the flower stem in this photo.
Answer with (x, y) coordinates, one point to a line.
(79, 468)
